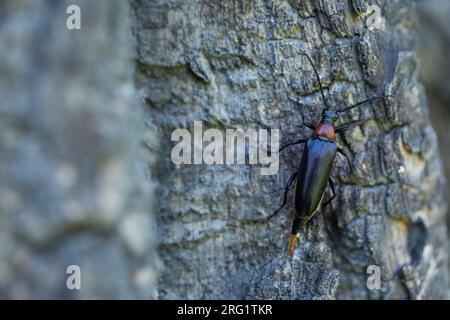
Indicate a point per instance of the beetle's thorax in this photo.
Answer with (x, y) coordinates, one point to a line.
(326, 126)
(325, 130)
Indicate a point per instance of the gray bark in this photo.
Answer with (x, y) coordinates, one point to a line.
(238, 64)
(73, 183)
(74, 188)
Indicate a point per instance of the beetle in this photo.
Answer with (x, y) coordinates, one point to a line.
(316, 163)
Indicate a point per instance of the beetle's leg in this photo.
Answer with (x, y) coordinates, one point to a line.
(288, 185)
(308, 124)
(341, 151)
(292, 143)
(331, 183)
(347, 127)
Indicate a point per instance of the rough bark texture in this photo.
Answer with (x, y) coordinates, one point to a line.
(239, 64)
(73, 186)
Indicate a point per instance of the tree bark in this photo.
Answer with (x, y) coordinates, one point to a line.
(239, 64)
(73, 185)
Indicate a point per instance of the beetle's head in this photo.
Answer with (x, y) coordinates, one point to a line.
(329, 117)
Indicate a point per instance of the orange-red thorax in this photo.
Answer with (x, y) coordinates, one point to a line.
(325, 130)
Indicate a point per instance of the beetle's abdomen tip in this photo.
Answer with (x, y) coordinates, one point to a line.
(292, 243)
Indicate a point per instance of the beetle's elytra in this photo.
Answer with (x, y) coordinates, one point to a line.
(316, 163)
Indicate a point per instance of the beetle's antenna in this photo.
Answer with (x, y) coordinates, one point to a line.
(318, 80)
(365, 101)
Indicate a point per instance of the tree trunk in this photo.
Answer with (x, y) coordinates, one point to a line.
(239, 63)
(72, 188)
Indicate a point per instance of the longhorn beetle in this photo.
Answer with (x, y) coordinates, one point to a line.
(315, 165)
